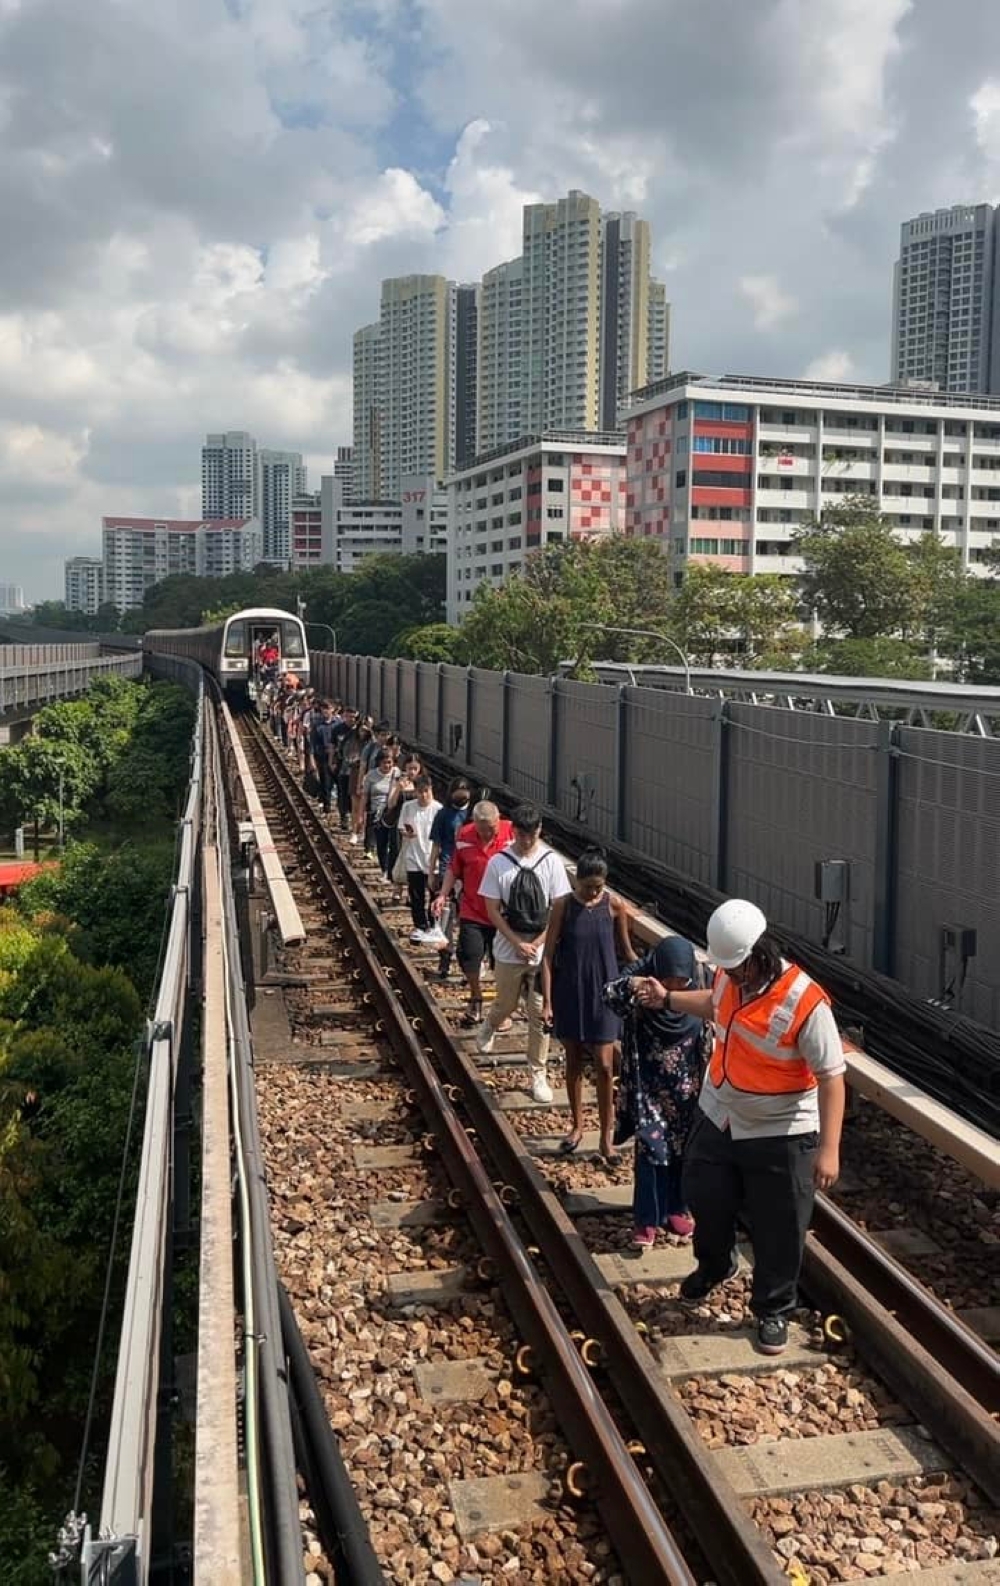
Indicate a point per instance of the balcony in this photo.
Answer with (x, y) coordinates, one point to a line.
(910, 474)
(849, 468)
(792, 500)
(834, 435)
(786, 467)
(787, 434)
(786, 566)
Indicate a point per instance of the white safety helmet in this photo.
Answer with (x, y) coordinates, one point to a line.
(733, 931)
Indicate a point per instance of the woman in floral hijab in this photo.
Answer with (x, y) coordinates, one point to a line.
(661, 1069)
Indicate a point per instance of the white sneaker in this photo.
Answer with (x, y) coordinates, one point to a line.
(485, 1037)
(415, 936)
(353, 840)
(540, 1088)
(434, 937)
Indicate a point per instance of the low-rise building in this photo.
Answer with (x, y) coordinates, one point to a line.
(11, 599)
(307, 529)
(328, 530)
(727, 470)
(84, 584)
(521, 497)
(139, 552)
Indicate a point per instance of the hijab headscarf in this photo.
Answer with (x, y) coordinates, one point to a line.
(673, 958)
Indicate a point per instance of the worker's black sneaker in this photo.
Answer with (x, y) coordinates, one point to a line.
(772, 1335)
(699, 1284)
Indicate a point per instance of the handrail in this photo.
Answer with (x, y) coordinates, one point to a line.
(127, 1498)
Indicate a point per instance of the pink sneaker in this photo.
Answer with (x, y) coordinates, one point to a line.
(644, 1238)
(681, 1224)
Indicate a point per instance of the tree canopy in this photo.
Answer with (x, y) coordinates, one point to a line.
(121, 750)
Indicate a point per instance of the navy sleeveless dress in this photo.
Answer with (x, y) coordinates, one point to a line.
(585, 960)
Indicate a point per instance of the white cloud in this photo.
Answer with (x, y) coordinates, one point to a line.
(207, 193)
(396, 207)
(836, 365)
(771, 305)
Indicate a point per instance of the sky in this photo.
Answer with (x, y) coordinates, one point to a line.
(199, 198)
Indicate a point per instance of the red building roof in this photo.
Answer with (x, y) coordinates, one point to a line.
(13, 873)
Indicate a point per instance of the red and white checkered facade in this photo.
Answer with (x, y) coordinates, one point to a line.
(525, 496)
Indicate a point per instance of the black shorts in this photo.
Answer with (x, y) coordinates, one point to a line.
(475, 942)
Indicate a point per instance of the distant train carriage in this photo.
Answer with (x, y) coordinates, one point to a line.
(240, 650)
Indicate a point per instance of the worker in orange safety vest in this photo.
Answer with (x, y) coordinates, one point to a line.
(771, 1109)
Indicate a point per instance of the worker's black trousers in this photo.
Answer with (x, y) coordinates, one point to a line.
(765, 1184)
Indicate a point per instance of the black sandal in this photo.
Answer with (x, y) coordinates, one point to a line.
(568, 1146)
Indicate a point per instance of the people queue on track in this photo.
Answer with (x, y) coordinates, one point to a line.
(730, 1083)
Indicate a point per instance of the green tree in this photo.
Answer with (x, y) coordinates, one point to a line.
(882, 657)
(434, 642)
(939, 579)
(718, 616)
(970, 633)
(564, 605)
(857, 575)
(116, 901)
(34, 771)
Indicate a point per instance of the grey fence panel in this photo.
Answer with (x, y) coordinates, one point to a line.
(948, 856)
(530, 732)
(485, 753)
(802, 788)
(670, 790)
(389, 706)
(586, 754)
(427, 704)
(376, 690)
(454, 737)
(407, 698)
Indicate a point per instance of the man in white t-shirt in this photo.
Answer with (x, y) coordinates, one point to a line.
(415, 821)
(518, 888)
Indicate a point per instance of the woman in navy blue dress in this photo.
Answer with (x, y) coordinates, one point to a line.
(586, 939)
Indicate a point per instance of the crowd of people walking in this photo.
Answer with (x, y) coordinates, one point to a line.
(730, 1073)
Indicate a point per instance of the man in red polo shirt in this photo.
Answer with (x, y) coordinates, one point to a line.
(485, 835)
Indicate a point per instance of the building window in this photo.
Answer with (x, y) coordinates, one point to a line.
(554, 484)
(681, 478)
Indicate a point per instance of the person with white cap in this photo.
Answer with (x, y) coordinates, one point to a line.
(771, 1109)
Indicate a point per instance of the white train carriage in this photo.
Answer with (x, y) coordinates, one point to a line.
(231, 650)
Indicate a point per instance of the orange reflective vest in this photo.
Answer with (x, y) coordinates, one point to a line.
(756, 1043)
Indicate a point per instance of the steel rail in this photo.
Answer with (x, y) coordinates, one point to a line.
(733, 1546)
(942, 1369)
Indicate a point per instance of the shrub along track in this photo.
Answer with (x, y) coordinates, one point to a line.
(828, 1516)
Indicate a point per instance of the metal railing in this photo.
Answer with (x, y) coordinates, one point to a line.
(50, 677)
(120, 1550)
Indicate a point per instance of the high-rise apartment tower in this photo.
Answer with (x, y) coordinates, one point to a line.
(946, 301)
(230, 483)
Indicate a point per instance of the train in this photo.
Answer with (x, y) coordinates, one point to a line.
(229, 649)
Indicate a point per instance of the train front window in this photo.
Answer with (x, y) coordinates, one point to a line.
(236, 640)
(291, 641)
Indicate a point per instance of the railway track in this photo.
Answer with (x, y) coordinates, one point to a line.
(659, 1415)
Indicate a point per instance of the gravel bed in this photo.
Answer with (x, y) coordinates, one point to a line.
(737, 1410)
(886, 1529)
(906, 1182)
(399, 1449)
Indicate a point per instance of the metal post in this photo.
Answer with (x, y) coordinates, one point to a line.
(722, 774)
(623, 780)
(553, 789)
(440, 708)
(886, 826)
(62, 823)
(467, 750)
(505, 729)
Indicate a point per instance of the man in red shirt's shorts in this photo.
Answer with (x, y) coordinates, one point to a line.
(477, 842)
